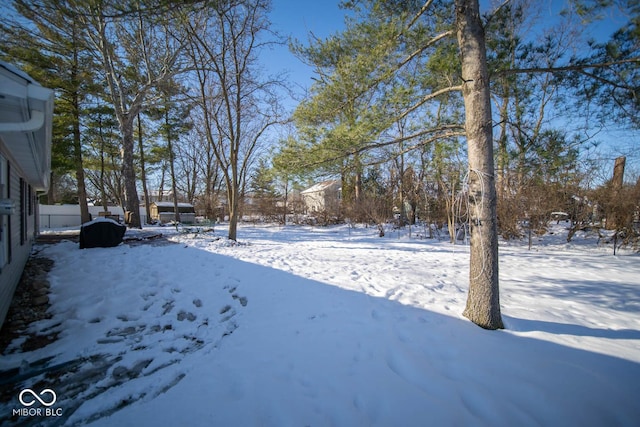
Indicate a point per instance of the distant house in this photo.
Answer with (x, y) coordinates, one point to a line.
(323, 197)
(164, 212)
(26, 112)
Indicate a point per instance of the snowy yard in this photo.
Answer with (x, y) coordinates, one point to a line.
(301, 326)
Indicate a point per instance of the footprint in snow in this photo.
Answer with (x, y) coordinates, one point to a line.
(227, 312)
(167, 307)
(184, 315)
(232, 290)
(243, 300)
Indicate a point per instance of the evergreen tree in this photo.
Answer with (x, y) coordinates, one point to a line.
(48, 43)
(263, 188)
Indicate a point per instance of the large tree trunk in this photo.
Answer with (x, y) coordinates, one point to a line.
(618, 173)
(82, 190)
(77, 148)
(483, 302)
(209, 208)
(172, 169)
(174, 188)
(143, 171)
(103, 190)
(615, 216)
(233, 197)
(132, 204)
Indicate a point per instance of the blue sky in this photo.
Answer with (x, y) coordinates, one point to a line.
(296, 19)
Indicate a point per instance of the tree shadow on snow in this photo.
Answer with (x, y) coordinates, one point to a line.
(319, 354)
(611, 295)
(529, 325)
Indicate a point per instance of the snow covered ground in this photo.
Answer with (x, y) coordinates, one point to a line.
(301, 326)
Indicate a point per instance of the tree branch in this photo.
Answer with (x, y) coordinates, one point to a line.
(428, 98)
(450, 131)
(576, 67)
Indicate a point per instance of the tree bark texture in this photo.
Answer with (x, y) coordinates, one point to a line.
(132, 204)
(618, 173)
(483, 302)
(77, 142)
(143, 171)
(82, 190)
(233, 197)
(614, 218)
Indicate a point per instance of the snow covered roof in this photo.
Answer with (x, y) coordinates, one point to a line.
(102, 219)
(320, 186)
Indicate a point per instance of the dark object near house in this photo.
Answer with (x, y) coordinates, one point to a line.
(101, 233)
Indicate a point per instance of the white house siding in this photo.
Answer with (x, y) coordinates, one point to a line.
(322, 197)
(26, 120)
(314, 202)
(18, 231)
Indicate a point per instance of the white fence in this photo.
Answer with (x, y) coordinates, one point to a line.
(61, 216)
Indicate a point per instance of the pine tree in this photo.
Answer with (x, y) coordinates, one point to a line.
(263, 188)
(48, 42)
(483, 303)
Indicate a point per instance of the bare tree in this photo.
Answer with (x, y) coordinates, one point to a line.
(236, 104)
